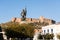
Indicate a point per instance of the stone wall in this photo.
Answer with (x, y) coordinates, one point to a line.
(33, 20)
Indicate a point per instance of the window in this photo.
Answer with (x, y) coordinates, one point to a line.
(52, 30)
(48, 30)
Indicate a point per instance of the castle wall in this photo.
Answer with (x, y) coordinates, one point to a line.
(33, 20)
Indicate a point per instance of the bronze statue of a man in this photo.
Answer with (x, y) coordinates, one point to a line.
(23, 14)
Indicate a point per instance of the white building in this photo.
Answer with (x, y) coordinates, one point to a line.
(55, 29)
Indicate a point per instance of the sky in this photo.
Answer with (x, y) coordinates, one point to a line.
(35, 8)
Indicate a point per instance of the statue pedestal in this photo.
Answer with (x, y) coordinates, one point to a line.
(23, 22)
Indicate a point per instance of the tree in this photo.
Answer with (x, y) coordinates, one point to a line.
(40, 36)
(48, 36)
(20, 31)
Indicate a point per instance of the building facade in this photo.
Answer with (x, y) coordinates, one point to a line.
(55, 29)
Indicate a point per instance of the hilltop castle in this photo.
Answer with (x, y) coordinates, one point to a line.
(32, 20)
